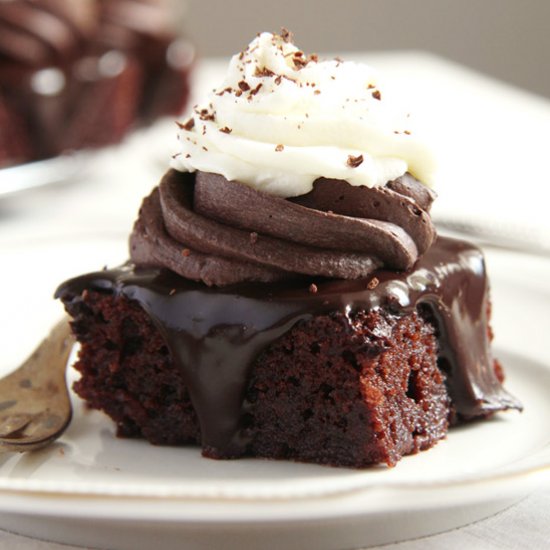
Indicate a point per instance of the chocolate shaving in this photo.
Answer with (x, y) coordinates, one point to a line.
(377, 95)
(279, 147)
(298, 60)
(189, 125)
(204, 114)
(264, 71)
(226, 130)
(255, 90)
(289, 78)
(244, 86)
(286, 35)
(354, 162)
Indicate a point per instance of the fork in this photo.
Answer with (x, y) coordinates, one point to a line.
(35, 408)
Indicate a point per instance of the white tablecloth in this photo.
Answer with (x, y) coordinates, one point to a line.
(105, 202)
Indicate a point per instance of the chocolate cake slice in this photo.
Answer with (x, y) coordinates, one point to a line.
(341, 372)
(286, 295)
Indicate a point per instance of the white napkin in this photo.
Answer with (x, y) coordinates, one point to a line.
(493, 145)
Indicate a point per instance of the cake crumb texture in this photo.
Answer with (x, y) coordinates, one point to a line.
(336, 389)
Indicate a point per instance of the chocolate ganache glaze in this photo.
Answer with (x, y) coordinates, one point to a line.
(207, 228)
(215, 334)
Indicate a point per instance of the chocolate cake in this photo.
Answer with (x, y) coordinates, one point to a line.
(312, 316)
(79, 74)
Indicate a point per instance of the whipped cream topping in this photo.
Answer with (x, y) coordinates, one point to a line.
(281, 119)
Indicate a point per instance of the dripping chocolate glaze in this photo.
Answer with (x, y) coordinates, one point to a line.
(215, 334)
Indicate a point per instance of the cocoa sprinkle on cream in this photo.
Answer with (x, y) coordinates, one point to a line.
(189, 125)
(255, 90)
(354, 162)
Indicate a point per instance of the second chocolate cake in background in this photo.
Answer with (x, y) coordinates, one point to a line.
(286, 295)
(80, 73)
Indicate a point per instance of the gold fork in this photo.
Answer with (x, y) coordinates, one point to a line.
(35, 408)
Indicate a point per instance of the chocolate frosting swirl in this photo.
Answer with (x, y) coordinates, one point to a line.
(206, 228)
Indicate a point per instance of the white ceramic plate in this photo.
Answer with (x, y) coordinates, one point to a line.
(32, 175)
(93, 489)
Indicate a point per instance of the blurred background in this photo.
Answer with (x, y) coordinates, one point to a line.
(507, 39)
